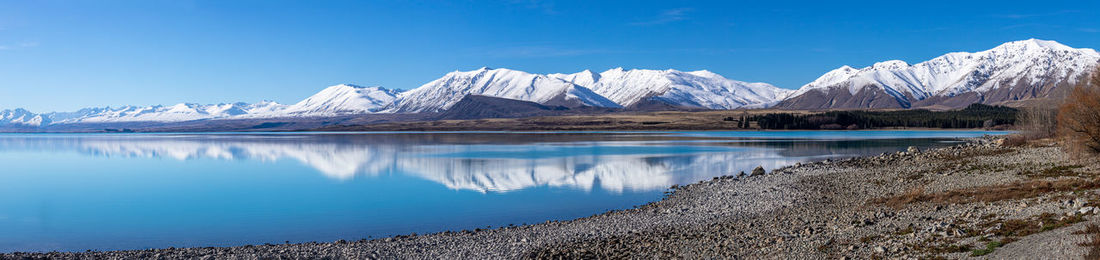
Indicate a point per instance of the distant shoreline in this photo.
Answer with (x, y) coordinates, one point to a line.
(319, 131)
(972, 117)
(725, 120)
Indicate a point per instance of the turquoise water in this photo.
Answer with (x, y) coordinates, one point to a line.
(75, 192)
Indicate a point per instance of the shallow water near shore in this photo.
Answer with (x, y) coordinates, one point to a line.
(75, 192)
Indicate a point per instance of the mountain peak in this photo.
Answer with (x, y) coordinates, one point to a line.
(346, 85)
(706, 74)
(18, 111)
(615, 70)
(890, 65)
(353, 87)
(344, 98)
(1034, 44)
(483, 71)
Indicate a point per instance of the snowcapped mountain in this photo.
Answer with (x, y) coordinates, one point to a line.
(699, 89)
(167, 114)
(441, 94)
(265, 107)
(21, 118)
(1012, 72)
(175, 113)
(344, 99)
(337, 100)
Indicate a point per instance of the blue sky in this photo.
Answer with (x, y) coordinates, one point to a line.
(64, 55)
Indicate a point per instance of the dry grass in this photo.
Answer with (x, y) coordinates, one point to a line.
(1090, 229)
(947, 249)
(1016, 190)
(1015, 140)
(1055, 171)
(989, 248)
(910, 196)
(1012, 228)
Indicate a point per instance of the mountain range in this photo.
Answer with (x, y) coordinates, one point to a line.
(1014, 73)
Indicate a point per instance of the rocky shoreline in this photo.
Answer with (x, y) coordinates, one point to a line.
(980, 199)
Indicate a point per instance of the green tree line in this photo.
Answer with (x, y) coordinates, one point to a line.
(973, 116)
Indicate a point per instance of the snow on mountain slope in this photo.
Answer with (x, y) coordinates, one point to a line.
(344, 99)
(21, 117)
(1012, 71)
(583, 78)
(175, 113)
(702, 89)
(265, 108)
(444, 92)
(332, 101)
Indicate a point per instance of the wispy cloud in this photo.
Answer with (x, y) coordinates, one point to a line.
(1034, 15)
(933, 29)
(717, 51)
(22, 45)
(666, 16)
(546, 6)
(544, 52)
(1022, 25)
(1089, 30)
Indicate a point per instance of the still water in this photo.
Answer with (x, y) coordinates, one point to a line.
(73, 192)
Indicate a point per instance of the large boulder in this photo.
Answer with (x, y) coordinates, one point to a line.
(758, 171)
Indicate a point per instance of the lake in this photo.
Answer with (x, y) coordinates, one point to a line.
(74, 192)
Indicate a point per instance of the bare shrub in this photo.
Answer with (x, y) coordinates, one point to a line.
(1015, 140)
(1037, 122)
(910, 196)
(1079, 118)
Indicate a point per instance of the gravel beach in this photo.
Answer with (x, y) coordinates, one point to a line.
(980, 199)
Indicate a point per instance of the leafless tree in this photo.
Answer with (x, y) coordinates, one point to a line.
(1037, 122)
(1079, 118)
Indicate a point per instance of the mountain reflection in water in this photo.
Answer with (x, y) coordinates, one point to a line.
(487, 162)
